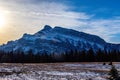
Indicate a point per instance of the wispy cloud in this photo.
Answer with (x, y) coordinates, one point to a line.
(31, 15)
(105, 28)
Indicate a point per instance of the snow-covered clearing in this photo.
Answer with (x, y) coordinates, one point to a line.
(55, 71)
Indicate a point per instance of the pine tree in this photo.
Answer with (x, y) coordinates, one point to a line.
(113, 74)
(91, 55)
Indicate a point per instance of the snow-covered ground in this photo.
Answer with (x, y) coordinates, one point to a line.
(55, 71)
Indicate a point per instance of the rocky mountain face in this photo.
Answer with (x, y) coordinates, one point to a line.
(58, 40)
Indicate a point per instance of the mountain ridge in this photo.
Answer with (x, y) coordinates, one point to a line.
(58, 40)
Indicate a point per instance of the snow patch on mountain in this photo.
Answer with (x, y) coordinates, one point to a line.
(57, 40)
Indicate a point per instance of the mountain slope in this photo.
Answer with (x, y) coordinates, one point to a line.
(58, 40)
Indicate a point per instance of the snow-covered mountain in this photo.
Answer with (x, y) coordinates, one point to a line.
(58, 40)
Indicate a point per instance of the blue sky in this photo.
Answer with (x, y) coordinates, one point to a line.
(98, 17)
(101, 8)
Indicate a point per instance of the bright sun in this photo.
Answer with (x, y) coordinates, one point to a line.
(2, 19)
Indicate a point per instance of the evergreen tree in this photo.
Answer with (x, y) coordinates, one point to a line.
(113, 74)
(91, 55)
(5, 58)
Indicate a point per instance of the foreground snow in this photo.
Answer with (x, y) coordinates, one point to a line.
(55, 71)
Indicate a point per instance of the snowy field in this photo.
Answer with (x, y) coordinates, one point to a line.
(55, 71)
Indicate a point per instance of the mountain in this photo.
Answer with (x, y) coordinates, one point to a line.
(58, 40)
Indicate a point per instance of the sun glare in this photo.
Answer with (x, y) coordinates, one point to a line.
(2, 19)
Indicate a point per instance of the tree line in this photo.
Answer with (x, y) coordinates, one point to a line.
(68, 56)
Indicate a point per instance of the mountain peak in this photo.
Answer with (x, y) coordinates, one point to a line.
(47, 27)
